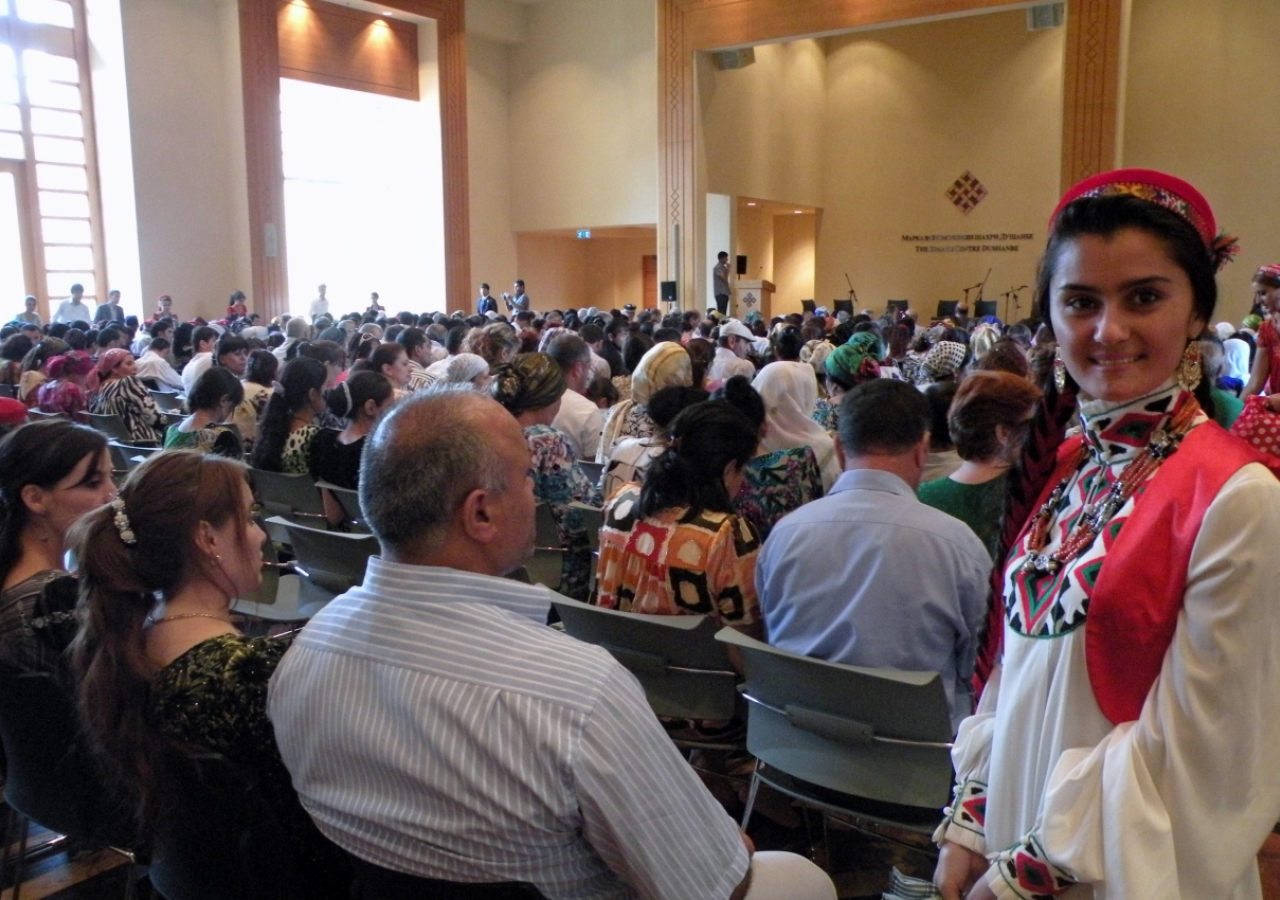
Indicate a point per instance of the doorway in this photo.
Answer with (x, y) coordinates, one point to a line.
(649, 272)
(17, 265)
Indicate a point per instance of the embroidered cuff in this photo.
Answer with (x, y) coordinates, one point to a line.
(1023, 872)
(966, 817)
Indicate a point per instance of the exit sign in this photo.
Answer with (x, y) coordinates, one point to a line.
(584, 234)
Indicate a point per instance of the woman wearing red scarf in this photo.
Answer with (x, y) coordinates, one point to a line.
(1126, 745)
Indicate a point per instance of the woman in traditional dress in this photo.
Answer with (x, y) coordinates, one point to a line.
(1266, 296)
(1126, 746)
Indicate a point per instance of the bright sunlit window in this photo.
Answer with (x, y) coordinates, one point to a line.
(363, 199)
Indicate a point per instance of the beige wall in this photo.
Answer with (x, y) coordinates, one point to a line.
(493, 243)
(562, 272)
(584, 116)
(1201, 102)
(182, 61)
(794, 246)
(753, 238)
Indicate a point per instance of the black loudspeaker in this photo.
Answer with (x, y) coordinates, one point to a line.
(668, 292)
(742, 266)
(986, 308)
(947, 308)
(807, 306)
(845, 306)
(897, 306)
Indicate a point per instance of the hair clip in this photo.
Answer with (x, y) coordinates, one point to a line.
(122, 523)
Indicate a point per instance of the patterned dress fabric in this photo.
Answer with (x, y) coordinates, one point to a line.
(214, 697)
(776, 483)
(37, 623)
(677, 562)
(1269, 340)
(824, 413)
(219, 439)
(558, 481)
(129, 399)
(295, 459)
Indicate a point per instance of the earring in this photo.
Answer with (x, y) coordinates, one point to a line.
(1189, 370)
(1059, 371)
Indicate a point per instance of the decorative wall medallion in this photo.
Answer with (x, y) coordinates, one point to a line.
(750, 300)
(966, 193)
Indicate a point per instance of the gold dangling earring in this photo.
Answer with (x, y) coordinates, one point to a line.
(1189, 370)
(1059, 371)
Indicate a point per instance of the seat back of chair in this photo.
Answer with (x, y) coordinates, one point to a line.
(221, 839)
(50, 775)
(547, 537)
(684, 671)
(287, 495)
(36, 415)
(126, 457)
(111, 425)
(875, 733)
(593, 470)
(349, 500)
(166, 401)
(332, 562)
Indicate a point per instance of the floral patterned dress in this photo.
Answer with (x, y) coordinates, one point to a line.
(295, 459)
(776, 483)
(557, 482)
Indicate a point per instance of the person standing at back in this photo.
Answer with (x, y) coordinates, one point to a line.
(720, 282)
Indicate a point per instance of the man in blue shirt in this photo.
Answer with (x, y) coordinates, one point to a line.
(869, 575)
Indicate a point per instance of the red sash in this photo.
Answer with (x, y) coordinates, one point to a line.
(1134, 608)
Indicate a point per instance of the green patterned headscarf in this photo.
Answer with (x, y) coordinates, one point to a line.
(530, 382)
(855, 361)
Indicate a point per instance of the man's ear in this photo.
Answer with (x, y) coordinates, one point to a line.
(476, 517)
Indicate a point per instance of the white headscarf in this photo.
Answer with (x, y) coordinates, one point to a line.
(790, 392)
(463, 368)
(1236, 358)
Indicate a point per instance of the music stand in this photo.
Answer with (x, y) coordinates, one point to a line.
(946, 308)
(845, 305)
(897, 306)
(985, 308)
(808, 306)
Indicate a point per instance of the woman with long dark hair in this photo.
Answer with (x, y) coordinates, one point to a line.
(259, 381)
(287, 427)
(685, 506)
(359, 401)
(51, 473)
(216, 394)
(1124, 746)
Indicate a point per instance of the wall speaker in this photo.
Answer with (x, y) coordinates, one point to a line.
(668, 292)
(734, 59)
(742, 265)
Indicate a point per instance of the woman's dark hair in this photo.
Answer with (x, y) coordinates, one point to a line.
(411, 339)
(166, 498)
(327, 352)
(385, 355)
(42, 352)
(76, 339)
(159, 327)
(229, 343)
(158, 344)
(15, 348)
(939, 394)
(203, 334)
(213, 384)
(299, 378)
(1004, 356)
(985, 400)
(262, 367)
(705, 438)
(182, 338)
(602, 388)
(333, 334)
(637, 345)
(348, 398)
(360, 345)
(1105, 216)
(42, 454)
(669, 402)
(786, 343)
(701, 354)
(738, 392)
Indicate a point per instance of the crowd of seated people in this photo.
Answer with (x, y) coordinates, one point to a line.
(844, 487)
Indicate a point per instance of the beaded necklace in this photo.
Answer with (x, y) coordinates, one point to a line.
(1095, 516)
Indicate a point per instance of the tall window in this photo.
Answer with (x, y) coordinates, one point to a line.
(50, 218)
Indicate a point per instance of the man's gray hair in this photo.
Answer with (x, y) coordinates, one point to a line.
(423, 460)
(568, 349)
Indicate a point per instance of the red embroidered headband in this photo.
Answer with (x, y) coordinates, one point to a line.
(1172, 193)
(1268, 273)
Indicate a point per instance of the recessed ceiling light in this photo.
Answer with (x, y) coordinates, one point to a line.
(751, 203)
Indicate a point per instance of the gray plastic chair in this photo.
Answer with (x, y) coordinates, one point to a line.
(292, 497)
(127, 457)
(111, 425)
(593, 470)
(349, 500)
(872, 744)
(545, 564)
(685, 672)
(329, 562)
(166, 401)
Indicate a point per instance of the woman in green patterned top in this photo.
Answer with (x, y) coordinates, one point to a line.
(988, 421)
(215, 396)
(162, 677)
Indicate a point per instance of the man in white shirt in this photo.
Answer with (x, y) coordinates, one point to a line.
(320, 305)
(472, 743)
(579, 419)
(203, 340)
(731, 355)
(29, 314)
(73, 309)
(155, 365)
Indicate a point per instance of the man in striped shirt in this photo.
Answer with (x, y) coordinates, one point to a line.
(433, 725)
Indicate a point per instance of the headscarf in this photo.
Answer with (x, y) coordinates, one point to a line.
(73, 362)
(530, 382)
(790, 393)
(463, 368)
(1235, 357)
(1167, 191)
(815, 353)
(12, 412)
(664, 365)
(942, 361)
(1269, 274)
(1253, 322)
(856, 360)
(108, 361)
(983, 338)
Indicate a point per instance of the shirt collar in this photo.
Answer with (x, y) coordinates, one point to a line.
(871, 480)
(405, 583)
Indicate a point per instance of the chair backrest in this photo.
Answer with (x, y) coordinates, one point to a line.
(593, 470)
(166, 401)
(592, 520)
(684, 671)
(222, 839)
(547, 537)
(330, 562)
(109, 424)
(287, 495)
(50, 775)
(36, 415)
(881, 734)
(126, 457)
(9, 390)
(349, 500)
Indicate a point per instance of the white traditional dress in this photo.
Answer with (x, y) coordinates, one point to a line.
(1176, 803)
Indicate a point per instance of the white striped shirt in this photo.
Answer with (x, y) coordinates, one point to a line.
(433, 725)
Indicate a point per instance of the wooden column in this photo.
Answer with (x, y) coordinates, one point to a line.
(1091, 89)
(677, 167)
(451, 32)
(264, 155)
